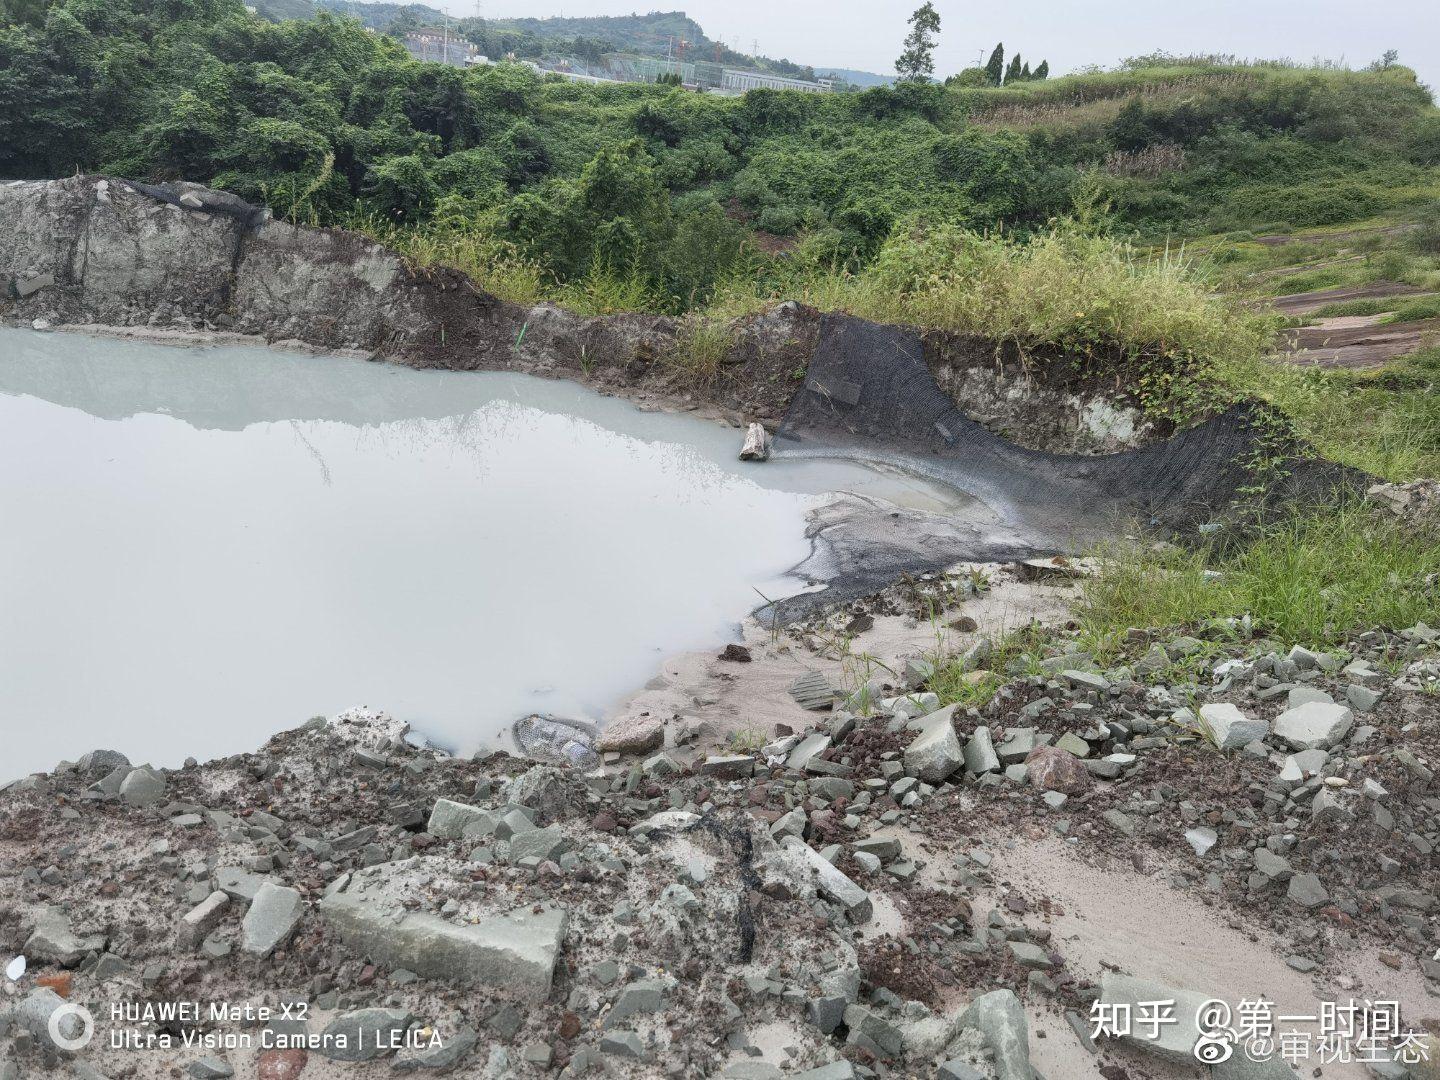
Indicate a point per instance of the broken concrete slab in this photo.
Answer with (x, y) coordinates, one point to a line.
(514, 951)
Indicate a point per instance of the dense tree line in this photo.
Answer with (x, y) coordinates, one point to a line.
(328, 122)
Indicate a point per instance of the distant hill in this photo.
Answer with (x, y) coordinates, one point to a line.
(855, 78)
(658, 33)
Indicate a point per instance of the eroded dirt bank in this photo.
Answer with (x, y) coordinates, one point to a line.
(182, 259)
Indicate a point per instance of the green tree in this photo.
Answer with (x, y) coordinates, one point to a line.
(995, 66)
(1042, 71)
(917, 60)
(970, 77)
(1013, 72)
(23, 12)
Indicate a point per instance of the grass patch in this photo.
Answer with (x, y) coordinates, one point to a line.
(1311, 577)
(1375, 305)
(1422, 307)
(702, 345)
(494, 265)
(1384, 422)
(1155, 323)
(1014, 653)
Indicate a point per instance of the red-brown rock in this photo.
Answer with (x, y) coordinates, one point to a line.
(281, 1064)
(1053, 769)
(60, 983)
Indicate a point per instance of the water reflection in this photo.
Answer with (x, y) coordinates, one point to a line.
(198, 547)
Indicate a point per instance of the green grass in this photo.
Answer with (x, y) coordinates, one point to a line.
(1377, 305)
(1421, 307)
(1384, 422)
(1311, 577)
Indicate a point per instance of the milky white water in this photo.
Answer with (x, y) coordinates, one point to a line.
(199, 547)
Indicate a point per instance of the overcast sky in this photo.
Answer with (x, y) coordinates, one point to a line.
(866, 34)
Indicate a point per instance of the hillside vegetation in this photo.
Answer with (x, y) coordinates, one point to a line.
(1135, 221)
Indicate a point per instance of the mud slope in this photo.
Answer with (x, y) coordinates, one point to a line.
(868, 386)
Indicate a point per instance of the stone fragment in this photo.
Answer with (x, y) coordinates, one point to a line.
(52, 939)
(1054, 769)
(272, 918)
(1313, 725)
(1229, 727)
(197, 923)
(1173, 1041)
(980, 756)
(1000, 1018)
(813, 691)
(364, 1034)
(757, 444)
(1307, 891)
(935, 752)
(632, 735)
(142, 787)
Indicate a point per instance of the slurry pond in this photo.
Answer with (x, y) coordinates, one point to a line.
(200, 547)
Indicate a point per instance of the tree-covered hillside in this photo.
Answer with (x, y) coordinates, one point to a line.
(672, 191)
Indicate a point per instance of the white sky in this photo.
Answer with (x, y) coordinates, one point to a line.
(866, 34)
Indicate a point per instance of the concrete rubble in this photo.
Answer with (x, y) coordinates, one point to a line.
(820, 905)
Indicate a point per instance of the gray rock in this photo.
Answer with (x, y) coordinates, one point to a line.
(32, 1014)
(832, 884)
(1000, 1018)
(210, 1068)
(752, 1070)
(1362, 698)
(1229, 727)
(813, 691)
(143, 787)
(196, 924)
(272, 918)
(1300, 695)
(1120, 822)
(959, 1069)
(515, 952)
(870, 1030)
(52, 939)
(757, 444)
(364, 1034)
(836, 1070)
(1029, 955)
(1016, 745)
(239, 884)
(1201, 839)
(449, 820)
(98, 763)
(623, 1044)
(546, 843)
(813, 744)
(1314, 724)
(1174, 1042)
(639, 998)
(935, 751)
(980, 756)
(1271, 865)
(1307, 891)
(440, 1058)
